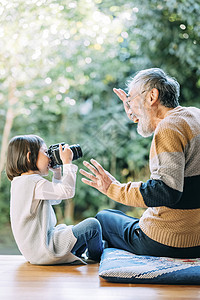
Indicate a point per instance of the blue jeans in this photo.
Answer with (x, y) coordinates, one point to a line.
(123, 232)
(89, 235)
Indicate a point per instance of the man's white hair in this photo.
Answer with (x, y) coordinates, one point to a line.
(168, 87)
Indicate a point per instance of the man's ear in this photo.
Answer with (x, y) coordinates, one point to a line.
(28, 156)
(154, 96)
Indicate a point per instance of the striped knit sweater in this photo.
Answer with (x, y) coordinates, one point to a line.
(172, 195)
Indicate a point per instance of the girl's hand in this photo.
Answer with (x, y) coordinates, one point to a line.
(66, 155)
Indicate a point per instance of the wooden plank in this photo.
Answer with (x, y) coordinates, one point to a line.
(21, 280)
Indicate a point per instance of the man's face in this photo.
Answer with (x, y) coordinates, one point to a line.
(140, 111)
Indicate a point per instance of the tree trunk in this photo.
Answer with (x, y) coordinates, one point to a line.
(10, 115)
(69, 211)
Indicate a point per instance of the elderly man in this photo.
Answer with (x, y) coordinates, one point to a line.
(170, 226)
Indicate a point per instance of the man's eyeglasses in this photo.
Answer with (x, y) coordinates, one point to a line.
(131, 99)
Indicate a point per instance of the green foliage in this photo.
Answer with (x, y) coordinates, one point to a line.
(4, 200)
(172, 42)
(63, 59)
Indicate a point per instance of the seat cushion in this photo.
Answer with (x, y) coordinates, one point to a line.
(124, 267)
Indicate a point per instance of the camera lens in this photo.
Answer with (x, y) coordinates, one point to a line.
(54, 154)
(77, 152)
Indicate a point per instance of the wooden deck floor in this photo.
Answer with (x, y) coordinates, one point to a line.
(21, 280)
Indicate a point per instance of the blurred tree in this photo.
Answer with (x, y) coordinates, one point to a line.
(168, 34)
(54, 56)
(59, 61)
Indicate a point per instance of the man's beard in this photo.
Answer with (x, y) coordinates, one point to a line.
(144, 127)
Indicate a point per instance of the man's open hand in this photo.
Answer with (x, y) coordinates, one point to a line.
(100, 179)
(123, 96)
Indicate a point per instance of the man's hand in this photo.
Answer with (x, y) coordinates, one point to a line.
(123, 96)
(101, 180)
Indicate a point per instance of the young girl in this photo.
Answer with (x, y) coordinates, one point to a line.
(33, 220)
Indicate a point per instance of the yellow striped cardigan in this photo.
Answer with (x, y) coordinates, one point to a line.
(172, 195)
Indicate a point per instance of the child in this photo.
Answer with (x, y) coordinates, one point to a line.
(33, 220)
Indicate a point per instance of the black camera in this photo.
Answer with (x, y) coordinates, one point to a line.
(54, 155)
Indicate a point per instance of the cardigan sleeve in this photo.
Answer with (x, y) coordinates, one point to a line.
(128, 194)
(167, 163)
(59, 189)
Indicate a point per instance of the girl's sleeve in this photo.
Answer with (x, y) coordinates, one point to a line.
(58, 189)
